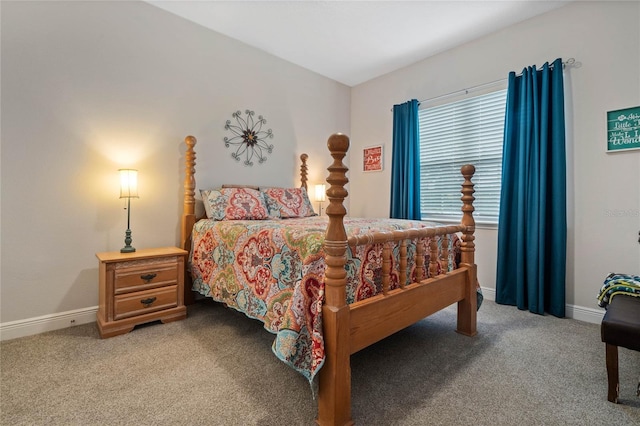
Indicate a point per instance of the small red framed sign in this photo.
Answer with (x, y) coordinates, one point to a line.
(372, 159)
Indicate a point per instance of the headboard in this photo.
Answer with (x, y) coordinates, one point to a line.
(189, 217)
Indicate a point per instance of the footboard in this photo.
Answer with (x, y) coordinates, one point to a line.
(377, 317)
(350, 328)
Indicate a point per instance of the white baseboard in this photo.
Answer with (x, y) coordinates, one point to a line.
(31, 326)
(584, 314)
(579, 313)
(488, 293)
(36, 325)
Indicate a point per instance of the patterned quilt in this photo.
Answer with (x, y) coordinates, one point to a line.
(273, 270)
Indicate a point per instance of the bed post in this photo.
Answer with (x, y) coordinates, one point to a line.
(188, 211)
(303, 171)
(468, 306)
(334, 398)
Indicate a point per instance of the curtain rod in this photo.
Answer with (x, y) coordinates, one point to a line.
(568, 63)
(465, 91)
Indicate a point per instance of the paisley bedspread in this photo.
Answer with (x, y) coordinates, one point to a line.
(273, 270)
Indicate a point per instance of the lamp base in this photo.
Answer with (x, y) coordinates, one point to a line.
(127, 241)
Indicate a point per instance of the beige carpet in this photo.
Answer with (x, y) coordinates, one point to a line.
(216, 368)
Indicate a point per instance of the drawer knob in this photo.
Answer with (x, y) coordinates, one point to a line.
(148, 277)
(147, 302)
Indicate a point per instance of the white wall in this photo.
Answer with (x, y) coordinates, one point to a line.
(605, 38)
(90, 87)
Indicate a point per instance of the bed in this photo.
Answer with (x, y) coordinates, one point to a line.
(330, 286)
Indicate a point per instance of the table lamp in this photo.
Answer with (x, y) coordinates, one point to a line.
(128, 190)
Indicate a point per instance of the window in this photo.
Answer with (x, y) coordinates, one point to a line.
(467, 131)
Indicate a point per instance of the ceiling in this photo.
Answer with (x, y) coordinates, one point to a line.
(355, 41)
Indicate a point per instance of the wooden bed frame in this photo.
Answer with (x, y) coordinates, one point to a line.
(350, 328)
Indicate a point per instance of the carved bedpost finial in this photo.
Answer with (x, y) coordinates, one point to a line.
(335, 243)
(188, 206)
(303, 171)
(190, 171)
(468, 246)
(338, 145)
(188, 212)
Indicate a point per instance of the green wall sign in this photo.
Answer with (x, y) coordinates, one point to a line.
(623, 129)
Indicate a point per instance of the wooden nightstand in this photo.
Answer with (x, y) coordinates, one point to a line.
(139, 287)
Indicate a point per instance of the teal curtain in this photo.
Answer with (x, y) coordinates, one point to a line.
(405, 162)
(532, 228)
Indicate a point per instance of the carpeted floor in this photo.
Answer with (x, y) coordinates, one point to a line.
(216, 368)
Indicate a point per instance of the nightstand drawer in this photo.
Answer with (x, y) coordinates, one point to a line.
(130, 276)
(142, 302)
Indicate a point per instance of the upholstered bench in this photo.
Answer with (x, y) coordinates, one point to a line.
(620, 327)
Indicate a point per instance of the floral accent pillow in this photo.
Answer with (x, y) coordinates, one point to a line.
(288, 202)
(234, 204)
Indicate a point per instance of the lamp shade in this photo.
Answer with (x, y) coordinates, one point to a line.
(321, 192)
(128, 183)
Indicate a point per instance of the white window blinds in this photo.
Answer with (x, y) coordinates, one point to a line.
(468, 131)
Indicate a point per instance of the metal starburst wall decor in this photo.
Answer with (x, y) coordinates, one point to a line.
(248, 138)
